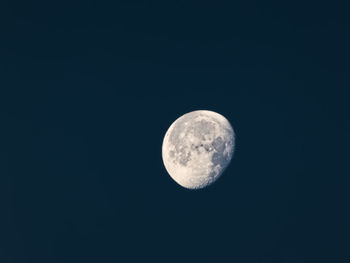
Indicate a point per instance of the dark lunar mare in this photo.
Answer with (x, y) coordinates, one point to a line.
(218, 157)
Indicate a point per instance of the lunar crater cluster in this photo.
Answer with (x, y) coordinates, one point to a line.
(197, 148)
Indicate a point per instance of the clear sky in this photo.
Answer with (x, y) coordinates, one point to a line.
(90, 88)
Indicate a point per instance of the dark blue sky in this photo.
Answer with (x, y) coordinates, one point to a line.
(89, 90)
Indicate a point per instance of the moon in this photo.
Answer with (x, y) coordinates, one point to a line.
(197, 148)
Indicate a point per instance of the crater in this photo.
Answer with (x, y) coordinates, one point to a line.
(184, 158)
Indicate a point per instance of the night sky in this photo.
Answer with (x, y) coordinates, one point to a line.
(89, 88)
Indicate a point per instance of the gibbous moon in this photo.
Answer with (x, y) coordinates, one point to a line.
(197, 148)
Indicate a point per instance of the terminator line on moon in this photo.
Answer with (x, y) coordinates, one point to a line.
(197, 148)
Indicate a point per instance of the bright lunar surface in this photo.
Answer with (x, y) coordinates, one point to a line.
(197, 148)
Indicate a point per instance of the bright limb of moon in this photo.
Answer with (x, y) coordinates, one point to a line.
(197, 148)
